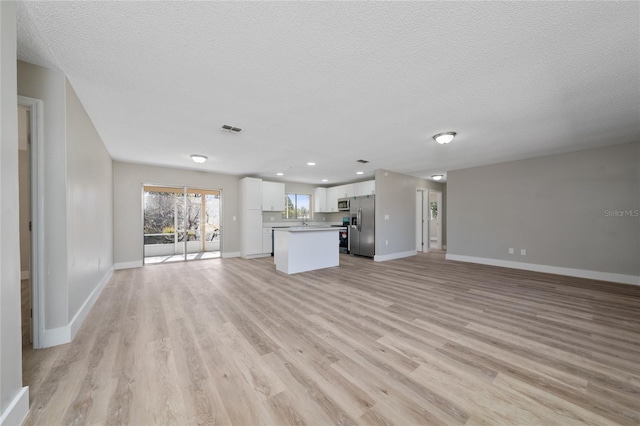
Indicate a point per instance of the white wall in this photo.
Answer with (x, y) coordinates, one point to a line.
(553, 207)
(89, 205)
(128, 181)
(77, 208)
(14, 399)
(396, 197)
(50, 87)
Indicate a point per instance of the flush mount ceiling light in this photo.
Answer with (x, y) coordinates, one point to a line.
(359, 173)
(311, 163)
(325, 180)
(199, 158)
(444, 138)
(437, 177)
(280, 174)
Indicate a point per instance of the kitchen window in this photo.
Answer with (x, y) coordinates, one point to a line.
(297, 206)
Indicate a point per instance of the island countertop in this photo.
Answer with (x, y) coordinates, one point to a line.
(307, 228)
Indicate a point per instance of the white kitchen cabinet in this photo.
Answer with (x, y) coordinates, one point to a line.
(369, 187)
(266, 240)
(333, 194)
(251, 194)
(250, 217)
(320, 200)
(272, 197)
(348, 190)
(343, 191)
(365, 188)
(251, 239)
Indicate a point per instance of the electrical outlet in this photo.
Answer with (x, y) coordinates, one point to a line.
(271, 218)
(234, 218)
(510, 250)
(523, 252)
(386, 217)
(386, 242)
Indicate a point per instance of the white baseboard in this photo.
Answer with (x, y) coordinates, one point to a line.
(79, 317)
(229, 254)
(256, 256)
(54, 337)
(17, 409)
(128, 265)
(392, 256)
(25, 275)
(61, 335)
(571, 272)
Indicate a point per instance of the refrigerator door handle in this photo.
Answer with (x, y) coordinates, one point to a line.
(360, 220)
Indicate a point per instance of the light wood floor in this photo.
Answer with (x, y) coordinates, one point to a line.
(413, 341)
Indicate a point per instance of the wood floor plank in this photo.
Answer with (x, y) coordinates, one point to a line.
(419, 340)
(203, 403)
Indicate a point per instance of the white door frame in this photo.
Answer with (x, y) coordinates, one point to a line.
(422, 217)
(36, 164)
(438, 199)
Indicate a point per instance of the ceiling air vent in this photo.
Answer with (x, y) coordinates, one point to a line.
(362, 161)
(230, 129)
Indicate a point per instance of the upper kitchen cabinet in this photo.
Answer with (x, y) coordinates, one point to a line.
(333, 194)
(345, 191)
(365, 188)
(272, 196)
(326, 199)
(320, 200)
(251, 194)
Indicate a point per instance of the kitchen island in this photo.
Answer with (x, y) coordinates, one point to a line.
(305, 248)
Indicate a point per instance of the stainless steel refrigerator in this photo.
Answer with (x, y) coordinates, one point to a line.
(362, 234)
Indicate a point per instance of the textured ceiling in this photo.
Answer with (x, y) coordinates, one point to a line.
(336, 82)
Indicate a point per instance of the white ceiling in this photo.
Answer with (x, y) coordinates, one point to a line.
(334, 82)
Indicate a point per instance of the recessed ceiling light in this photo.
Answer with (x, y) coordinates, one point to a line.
(444, 138)
(437, 177)
(311, 163)
(359, 173)
(325, 180)
(199, 158)
(280, 174)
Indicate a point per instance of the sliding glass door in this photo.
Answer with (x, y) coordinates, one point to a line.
(181, 223)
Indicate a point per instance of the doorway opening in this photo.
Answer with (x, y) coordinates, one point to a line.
(31, 218)
(24, 191)
(428, 220)
(435, 219)
(181, 223)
